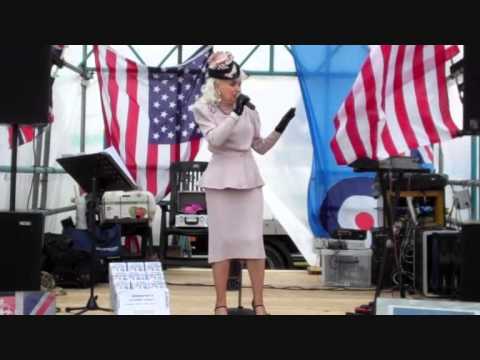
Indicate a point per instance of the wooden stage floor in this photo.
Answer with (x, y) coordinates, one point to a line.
(287, 292)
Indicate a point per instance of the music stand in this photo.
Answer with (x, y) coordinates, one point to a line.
(95, 174)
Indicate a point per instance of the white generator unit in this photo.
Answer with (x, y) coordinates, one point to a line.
(128, 207)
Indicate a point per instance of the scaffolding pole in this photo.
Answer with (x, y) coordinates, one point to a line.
(474, 176)
(38, 144)
(46, 161)
(84, 85)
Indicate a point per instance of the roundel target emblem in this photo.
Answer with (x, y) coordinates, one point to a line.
(349, 204)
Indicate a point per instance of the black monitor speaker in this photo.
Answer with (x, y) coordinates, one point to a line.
(471, 86)
(25, 84)
(469, 284)
(21, 249)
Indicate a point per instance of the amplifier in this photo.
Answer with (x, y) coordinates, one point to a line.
(349, 234)
(421, 182)
(333, 244)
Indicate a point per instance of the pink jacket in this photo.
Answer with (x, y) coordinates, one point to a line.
(230, 140)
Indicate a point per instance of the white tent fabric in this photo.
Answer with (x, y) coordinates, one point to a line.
(286, 169)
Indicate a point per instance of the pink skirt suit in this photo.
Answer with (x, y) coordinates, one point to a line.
(232, 182)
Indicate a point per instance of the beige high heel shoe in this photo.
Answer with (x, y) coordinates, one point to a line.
(257, 306)
(221, 307)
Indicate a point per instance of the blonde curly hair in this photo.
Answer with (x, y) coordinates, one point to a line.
(210, 95)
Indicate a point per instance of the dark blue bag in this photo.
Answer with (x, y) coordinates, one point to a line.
(108, 240)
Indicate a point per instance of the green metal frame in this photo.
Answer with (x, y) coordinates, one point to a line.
(87, 72)
(178, 49)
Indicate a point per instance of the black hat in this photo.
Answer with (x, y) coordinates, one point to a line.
(221, 66)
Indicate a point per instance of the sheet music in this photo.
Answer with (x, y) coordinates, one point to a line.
(115, 157)
(114, 154)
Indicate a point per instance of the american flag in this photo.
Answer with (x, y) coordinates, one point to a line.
(26, 134)
(424, 154)
(148, 113)
(27, 303)
(398, 103)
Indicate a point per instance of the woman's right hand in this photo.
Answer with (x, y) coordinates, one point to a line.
(242, 100)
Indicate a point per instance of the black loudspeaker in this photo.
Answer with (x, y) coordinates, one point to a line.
(437, 259)
(25, 88)
(21, 250)
(471, 81)
(469, 284)
(379, 241)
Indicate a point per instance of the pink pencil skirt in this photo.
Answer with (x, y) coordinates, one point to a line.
(235, 224)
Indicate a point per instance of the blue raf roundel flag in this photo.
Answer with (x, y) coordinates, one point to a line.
(349, 204)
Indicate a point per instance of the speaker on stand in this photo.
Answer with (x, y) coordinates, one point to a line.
(25, 93)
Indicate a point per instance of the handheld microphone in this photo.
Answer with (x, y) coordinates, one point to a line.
(248, 103)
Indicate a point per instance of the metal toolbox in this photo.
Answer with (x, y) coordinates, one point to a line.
(191, 221)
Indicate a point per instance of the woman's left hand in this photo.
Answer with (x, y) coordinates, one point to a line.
(282, 125)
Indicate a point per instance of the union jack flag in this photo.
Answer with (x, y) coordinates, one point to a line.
(7, 304)
(27, 303)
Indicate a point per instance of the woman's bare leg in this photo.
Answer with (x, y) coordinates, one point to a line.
(220, 277)
(256, 269)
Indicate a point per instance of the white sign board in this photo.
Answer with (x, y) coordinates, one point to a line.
(138, 288)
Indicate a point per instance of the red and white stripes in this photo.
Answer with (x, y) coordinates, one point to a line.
(398, 102)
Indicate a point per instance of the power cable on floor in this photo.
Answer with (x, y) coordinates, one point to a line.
(270, 287)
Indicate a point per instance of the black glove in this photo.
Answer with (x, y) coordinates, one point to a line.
(242, 100)
(282, 125)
